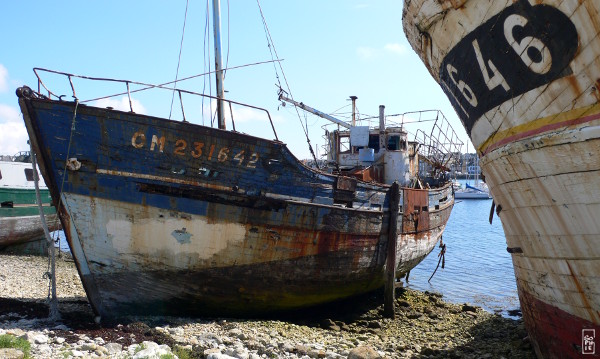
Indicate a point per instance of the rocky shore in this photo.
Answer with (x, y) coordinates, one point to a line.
(425, 327)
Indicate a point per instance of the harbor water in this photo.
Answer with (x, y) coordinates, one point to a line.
(478, 269)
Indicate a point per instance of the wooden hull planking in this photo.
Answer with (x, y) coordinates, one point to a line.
(534, 118)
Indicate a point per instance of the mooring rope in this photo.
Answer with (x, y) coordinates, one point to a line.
(442, 259)
(54, 314)
(51, 273)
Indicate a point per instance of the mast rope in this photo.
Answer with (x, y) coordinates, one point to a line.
(179, 59)
(275, 56)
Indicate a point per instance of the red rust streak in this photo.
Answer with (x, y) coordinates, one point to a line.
(581, 292)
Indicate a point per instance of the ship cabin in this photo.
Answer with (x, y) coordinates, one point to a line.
(373, 155)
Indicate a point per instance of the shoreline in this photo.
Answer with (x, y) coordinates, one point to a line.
(425, 326)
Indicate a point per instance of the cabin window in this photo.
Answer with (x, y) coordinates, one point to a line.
(344, 144)
(0, 174)
(396, 143)
(29, 174)
(374, 142)
(393, 143)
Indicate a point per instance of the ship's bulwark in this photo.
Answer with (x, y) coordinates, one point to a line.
(523, 78)
(165, 217)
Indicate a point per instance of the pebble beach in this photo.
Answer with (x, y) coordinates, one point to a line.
(425, 326)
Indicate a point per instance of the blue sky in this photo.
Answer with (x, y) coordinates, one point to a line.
(330, 49)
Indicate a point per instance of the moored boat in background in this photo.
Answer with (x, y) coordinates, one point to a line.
(20, 220)
(523, 78)
(474, 188)
(472, 192)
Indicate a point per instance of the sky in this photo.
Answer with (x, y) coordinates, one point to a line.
(329, 50)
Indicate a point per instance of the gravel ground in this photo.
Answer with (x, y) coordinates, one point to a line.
(425, 326)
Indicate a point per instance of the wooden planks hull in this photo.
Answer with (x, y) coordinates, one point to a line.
(523, 78)
(166, 217)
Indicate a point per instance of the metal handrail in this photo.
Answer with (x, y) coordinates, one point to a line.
(129, 92)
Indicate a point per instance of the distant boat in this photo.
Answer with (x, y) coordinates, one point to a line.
(20, 220)
(472, 192)
(474, 188)
(168, 217)
(524, 78)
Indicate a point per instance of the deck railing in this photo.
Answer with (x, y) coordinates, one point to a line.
(128, 91)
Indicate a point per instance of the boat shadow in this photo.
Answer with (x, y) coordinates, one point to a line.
(76, 313)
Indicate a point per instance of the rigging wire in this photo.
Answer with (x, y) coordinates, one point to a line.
(207, 61)
(179, 59)
(334, 112)
(274, 55)
(228, 42)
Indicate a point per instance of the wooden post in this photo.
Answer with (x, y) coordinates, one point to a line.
(390, 267)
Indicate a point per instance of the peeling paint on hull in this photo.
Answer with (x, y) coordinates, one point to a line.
(165, 217)
(523, 78)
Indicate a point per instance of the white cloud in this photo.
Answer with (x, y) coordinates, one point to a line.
(13, 136)
(3, 79)
(122, 104)
(372, 53)
(366, 53)
(396, 48)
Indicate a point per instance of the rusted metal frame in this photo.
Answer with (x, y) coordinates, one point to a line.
(390, 266)
(72, 87)
(35, 69)
(129, 96)
(231, 113)
(148, 86)
(182, 110)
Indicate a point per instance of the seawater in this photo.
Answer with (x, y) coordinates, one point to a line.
(478, 269)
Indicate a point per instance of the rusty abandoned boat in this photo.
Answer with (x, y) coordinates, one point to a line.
(523, 76)
(167, 217)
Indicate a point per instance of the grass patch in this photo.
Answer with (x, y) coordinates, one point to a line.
(182, 353)
(10, 341)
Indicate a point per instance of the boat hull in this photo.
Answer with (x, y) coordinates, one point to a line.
(20, 220)
(166, 217)
(471, 195)
(22, 229)
(522, 77)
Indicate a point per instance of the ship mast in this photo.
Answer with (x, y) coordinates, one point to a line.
(218, 63)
